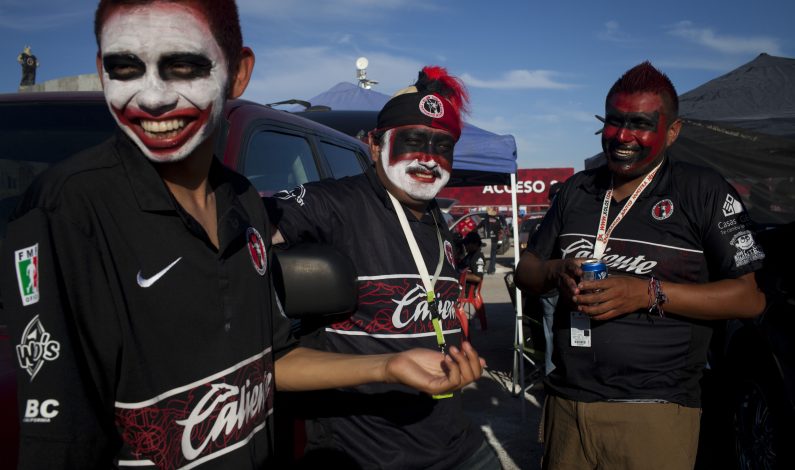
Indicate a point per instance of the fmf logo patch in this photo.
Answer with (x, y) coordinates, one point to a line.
(432, 107)
(27, 267)
(256, 248)
(731, 206)
(36, 348)
(663, 209)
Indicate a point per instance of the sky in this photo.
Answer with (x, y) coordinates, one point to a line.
(538, 70)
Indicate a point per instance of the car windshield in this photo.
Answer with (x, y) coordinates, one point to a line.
(34, 137)
(40, 135)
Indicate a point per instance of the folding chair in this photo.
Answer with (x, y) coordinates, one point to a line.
(471, 302)
(460, 311)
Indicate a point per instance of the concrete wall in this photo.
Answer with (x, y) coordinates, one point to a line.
(85, 82)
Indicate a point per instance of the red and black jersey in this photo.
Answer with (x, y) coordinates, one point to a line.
(688, 226)
(474, 262)
(139, 343)
(380, 425)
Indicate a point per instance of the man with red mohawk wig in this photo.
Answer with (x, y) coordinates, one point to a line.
(630, 349)
(387, 221)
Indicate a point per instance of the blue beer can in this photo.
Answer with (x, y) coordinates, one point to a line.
(593, 270)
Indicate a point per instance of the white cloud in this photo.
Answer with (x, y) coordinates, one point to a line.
(723, 43)
(547, 134)
(612, 32)
(519, 79)
(496, 124)
(303, 72)
(564, 117)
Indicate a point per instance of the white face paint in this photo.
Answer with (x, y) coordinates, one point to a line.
(164, 77)
(420, 179)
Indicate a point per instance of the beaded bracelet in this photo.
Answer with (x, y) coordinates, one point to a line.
(656, 296)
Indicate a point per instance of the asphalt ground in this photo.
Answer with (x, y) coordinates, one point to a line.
(509, 421)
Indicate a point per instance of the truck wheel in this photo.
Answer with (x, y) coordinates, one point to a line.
(761, 419)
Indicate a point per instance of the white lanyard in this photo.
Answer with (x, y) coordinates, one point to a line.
(427, 280)
(603, 232)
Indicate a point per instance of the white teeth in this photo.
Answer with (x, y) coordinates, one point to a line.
(163, 126)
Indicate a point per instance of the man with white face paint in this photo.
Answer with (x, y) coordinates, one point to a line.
(136, 277)
(388, 223)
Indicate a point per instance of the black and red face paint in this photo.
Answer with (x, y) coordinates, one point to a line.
(421, 143)
(635, 132)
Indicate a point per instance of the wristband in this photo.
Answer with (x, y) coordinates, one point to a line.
(656, 296)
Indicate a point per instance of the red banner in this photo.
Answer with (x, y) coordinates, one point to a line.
(532, 190)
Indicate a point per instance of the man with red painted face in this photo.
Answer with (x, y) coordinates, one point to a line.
(630, 349)
(388, 223)
(136, 278)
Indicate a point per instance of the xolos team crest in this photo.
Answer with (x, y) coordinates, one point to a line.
(27, 267)
(256, 248)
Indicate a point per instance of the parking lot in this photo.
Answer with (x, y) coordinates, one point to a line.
(511, 428)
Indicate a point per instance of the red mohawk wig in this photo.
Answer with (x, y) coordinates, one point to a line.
(645, 78)
(436, 100)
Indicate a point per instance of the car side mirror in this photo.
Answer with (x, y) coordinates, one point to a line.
(314, 280)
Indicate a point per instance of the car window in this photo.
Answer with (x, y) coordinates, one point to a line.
(275, 161)
(34, 136)
(343, 161)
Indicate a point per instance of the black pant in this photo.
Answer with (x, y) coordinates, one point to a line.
(493, 257)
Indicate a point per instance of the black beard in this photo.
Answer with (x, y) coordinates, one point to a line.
(632, 168)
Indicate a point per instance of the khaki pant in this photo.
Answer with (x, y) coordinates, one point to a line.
(614, 435)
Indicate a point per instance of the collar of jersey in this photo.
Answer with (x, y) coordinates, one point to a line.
(149, 189)
(153, 196)
(147, 185)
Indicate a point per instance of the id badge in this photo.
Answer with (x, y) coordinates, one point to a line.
(580, 330)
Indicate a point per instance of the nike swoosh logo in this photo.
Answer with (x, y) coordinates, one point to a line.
(146, 282)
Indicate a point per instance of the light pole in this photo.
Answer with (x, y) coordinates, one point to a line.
(361, 73)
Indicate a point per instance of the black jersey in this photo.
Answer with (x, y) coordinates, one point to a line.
(139, 343)
(474, 262)
(688, 226)
(381, 425)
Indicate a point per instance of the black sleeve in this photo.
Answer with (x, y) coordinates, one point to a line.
(284, 340)
(306, 213)
(727, 231)
(476, 264)
(65, 336)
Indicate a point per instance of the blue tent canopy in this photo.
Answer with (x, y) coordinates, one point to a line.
(481, 157)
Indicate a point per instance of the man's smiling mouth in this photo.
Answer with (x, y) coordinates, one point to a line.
(163, 129)
(624, 153)
(423, 175)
